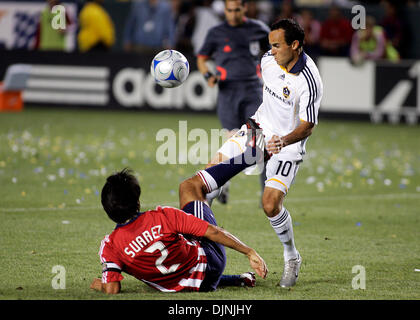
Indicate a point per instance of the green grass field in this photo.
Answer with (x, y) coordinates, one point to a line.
(355, 202)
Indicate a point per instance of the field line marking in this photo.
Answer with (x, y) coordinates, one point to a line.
(382, 197)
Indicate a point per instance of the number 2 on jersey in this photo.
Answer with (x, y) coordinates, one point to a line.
(159, 261)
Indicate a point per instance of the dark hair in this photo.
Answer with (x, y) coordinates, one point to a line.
(120, 196)
(292, 30)
(242, 1)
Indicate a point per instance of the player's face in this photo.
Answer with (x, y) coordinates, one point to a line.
(283, 53)
(234, 12)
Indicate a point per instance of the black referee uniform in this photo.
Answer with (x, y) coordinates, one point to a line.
(236, 52)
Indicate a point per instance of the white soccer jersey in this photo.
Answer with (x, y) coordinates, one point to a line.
(288, 98)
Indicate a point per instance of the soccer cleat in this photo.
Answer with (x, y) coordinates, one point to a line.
(247, 279)
(255, 138)
(212, 195)
(291, 272)
(223, 196)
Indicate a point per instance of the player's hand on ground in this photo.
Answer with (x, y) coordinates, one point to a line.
(257, 263)
(274, 145)
(96, 284)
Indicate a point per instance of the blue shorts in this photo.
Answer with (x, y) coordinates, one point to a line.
(237, 101)
(215, 252)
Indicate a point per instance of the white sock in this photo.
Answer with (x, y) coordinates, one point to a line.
(283, 227)
(209, 182)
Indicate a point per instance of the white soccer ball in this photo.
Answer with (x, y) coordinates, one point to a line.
(169, 68)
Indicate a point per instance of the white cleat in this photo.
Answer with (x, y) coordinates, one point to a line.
(223, 196)
(291, 272)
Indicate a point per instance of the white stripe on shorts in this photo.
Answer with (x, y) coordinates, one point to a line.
(194, 283)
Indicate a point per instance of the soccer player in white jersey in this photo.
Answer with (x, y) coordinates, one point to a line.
(291, 99)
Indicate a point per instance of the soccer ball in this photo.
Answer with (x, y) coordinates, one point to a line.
(169, 68)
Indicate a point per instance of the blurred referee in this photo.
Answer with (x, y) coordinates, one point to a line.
(235, 46)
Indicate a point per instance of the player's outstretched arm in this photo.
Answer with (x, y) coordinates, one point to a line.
(109, 288)
(219, 235)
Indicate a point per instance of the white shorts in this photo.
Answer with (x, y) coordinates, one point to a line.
(281, 169)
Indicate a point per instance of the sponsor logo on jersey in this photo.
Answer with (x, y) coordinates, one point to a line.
(274, 94)
(286, 92)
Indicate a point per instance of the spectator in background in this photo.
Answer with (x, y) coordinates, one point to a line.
(287, 10)
(48, 38)
(393, 26)
(205, 19)
(96, 28)
(413, 3)
(183, 11)
(150, 27)
(2, 43)
(312, 28)
(371, 44)
(260, 10)
(336, 34)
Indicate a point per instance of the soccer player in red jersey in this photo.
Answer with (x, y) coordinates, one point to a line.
(167, 248)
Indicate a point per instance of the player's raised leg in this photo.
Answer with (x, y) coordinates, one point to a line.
(216, 176)
(219, 157)
(247, 144)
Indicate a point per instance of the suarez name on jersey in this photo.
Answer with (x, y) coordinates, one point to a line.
(159, 247)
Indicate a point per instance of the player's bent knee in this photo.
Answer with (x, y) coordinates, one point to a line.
(272, 202)
(190, 185)
(270, 209)
(183, 186)
(191, 189)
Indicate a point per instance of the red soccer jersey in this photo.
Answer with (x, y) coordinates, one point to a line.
(152, 248)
